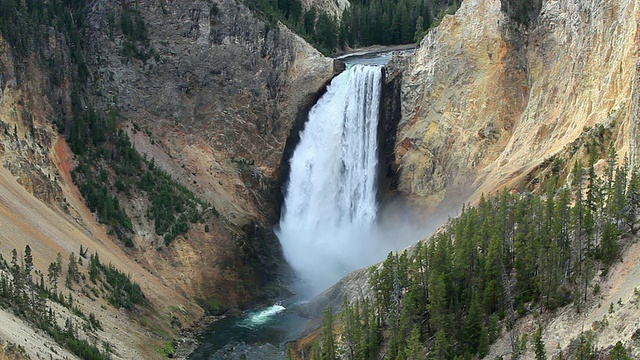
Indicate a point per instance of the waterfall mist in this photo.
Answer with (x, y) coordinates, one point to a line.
(328, 225)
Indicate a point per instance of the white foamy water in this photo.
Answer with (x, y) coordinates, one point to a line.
(261, 317)
(330, 206)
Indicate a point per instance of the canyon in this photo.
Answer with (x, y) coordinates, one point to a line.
(493, 98)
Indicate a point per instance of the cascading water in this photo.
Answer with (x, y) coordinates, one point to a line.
(330, 205)
(328, 225)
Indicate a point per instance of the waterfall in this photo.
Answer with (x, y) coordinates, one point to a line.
(330, 205)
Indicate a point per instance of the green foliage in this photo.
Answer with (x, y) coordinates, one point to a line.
(136, 43)
(525, 11)
(26, 26)
(392, 22)
(538, 344)
(28, 300)
(73, 275)
(326, 32)
(108, 164)
(586, 349)
(210, 306)
(328, 348)
(167, 350)
(539, 247)
(172, 205)
(619, 352)
(122, 291)
(364, 23)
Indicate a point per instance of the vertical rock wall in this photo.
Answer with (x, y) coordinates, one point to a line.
(486, 99)
(214, 105)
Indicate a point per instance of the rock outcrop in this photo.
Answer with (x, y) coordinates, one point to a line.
(213, 105)
(488, 96)
(333, 7)
(211, 94)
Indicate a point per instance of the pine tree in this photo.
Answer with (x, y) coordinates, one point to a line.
(619, 352)
(473, 326)
(419, 34)
(351, 327)
(72, 271)
(310, 20)
(328, 351)
(28, 265)
(289, 353)
(540, 351)
(441, 347)
(414, 345)
(315, 351)
(609, 244)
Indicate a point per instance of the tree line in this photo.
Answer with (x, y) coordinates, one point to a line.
(511, 254)
(364, 23)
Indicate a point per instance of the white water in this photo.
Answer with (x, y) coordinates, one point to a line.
(261, 317)
(329, 214)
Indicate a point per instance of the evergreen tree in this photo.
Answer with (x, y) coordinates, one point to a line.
(414, 345)
(72, 271)
(473, 326)
(310, 20)
(28, 264)
(619, 352)
(328, 351)
(609, 243)
(326, 31)
(441, 347)
(540, 351)
(315, 351)
(419, 34)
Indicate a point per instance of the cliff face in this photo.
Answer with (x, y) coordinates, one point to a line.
(27, 137)
(486, 98)
(333, 7)
(211, 95)
(213, 104)
(493, 96)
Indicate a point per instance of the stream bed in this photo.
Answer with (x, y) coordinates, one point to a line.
(259, 334)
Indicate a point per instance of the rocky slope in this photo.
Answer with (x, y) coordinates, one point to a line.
(214, 106)
(486, 98)
(333, 7)
(212, 97)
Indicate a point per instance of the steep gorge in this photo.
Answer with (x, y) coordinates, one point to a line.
(485, 102)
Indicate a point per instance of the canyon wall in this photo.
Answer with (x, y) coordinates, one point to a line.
(492, 93)
(213, 105)
(212, 98)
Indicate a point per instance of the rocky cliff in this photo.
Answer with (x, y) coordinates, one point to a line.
(333, 7)
(210, 92)
(494, 92)
(214, 105)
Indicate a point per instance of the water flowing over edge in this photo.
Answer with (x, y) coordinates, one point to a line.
(330, 205)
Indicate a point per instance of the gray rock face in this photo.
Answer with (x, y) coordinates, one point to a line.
(219, 73)
(212, 98)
